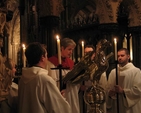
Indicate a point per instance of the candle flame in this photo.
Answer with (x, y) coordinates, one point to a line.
(23, 46)
(115, 40)
(57, 37)
(82, 42)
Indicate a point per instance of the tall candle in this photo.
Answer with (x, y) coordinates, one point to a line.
(24, 58)
(115, 43)
(131, 49)
(125, 41)
(58, 48)
(82, 48)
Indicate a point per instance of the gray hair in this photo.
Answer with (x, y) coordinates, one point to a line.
(65, 42)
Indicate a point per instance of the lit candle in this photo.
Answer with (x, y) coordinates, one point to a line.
(24, 58)
(82, 48)
(125, 41)
(131, 49)
(59, 50)
(115, 43)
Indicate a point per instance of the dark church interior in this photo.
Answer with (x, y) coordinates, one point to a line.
(26, 21)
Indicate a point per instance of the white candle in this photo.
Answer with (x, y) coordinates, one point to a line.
(115, 43)
(82, 48)
(24, 58)
(131, 49)
(59, 50)
(125, 41)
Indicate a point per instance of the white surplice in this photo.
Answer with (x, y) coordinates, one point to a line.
(130, 80)
(38, 93)
(51, 70)
(71, 94)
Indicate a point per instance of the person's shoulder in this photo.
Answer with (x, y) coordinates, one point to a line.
(133, 67)
(53, 60)
(137, 69)
(45, 78)
(50, 63)
(52, 57)
(103, 74)
(112, 71)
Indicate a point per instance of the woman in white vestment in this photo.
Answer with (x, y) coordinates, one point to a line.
(69, 91)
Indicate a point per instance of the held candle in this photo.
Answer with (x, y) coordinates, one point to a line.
(115, 43)
(58, 47)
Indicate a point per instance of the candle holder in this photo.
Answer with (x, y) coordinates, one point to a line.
(59, 67)
(116, 63)
(94, 97)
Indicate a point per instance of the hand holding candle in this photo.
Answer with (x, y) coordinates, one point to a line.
(59, 50)
(82, 48)
(115, 43)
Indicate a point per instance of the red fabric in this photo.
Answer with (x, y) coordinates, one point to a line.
(66, 62)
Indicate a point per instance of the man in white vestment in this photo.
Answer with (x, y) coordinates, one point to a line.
(128, 88)
(38, 92)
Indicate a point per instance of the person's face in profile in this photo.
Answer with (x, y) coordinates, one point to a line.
(67, 52)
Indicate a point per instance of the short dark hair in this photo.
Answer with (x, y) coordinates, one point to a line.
(124, 49)
(90, 46)
(34, 52)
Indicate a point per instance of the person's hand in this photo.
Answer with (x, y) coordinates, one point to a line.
(118, 89)
(112, 93)
(63, 92)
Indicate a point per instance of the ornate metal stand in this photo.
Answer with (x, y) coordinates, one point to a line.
(87, 69)
(94, 96)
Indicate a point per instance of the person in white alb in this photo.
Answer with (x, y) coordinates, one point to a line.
(69, 91)
(128, 87)
(38, 92)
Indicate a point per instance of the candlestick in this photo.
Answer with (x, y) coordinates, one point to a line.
(24, 58)
(59, 50)
(115, 43)
(82, 48)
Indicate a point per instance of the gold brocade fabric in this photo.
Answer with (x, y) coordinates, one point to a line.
(5, 79)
